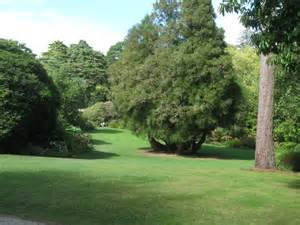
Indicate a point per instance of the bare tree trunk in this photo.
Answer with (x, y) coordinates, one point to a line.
(265, 156)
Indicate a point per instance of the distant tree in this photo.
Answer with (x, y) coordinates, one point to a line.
(276, 25)
(79, 73)
(114, 53)
(88, 64)
(28, 98)
(287, 101)
(246, 68)
(246, 38)
(174, 81)
(55, 57)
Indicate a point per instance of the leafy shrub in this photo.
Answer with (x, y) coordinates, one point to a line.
(118, 124)
(288, 156)
(78, 142)
(101, 112)
(244, 142)
(69, 142)
(28, 98)
(100, 94)
(248, 142)
(85, 124)
(234, 143)
(224, 135)
(219, 135)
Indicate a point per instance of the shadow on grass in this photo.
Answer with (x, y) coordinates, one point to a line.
(221, 152)
(73, 198)
(106, 131)
(90, 155)
(100, 142)
(214, 152)
(93, 155)
(295, 184)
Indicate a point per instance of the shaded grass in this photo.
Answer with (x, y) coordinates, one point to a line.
(130, 188)
(222, 152)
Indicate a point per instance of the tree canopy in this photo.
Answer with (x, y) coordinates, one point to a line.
(28, 98)
(174, 80)
(79, 73)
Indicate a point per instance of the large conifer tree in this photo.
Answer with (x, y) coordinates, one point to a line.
(174, 80)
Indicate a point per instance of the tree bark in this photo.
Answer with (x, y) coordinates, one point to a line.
(265, 156)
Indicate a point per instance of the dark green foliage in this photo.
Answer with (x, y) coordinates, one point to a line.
(100, 113)
(28, 98)
(79, 72)
(287, 100)
(276, 22)
(77, 142)
(174, 80)
(114, 53)
(246, 69)
(89, 65)
(288, 156)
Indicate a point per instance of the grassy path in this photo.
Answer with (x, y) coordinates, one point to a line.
(120, 185)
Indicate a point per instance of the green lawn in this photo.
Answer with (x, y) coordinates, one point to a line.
(119, 184)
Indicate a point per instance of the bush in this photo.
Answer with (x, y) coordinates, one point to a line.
(28, 98)
(234, 143)
(288, 156)
(78, 142)
(118, 124)
(70, 141)
(224, 135)
(248, 142)
(100, 113)
(220, 135)
(85, 124)
(244, 142)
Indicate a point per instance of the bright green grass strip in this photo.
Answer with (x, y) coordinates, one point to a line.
(120, 185)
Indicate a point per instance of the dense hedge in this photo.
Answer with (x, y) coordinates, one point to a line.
(28, 98)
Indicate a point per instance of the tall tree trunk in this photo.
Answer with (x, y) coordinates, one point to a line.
(265, 156)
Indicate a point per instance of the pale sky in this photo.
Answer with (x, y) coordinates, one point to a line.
(101, 23)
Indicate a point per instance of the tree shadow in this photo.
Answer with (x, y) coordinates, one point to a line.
(213, 152)
(222, 152)
(65, 197)
(89, 155)
(295, 184)
(106, 131)
(100, 142)
(93, 155)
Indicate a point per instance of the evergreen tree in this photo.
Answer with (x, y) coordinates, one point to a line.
(114, 53)
(174, 81)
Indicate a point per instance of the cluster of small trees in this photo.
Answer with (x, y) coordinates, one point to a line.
(79, 73)
(41, 98)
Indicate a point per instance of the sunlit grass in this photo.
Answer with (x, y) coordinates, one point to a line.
(119, 184)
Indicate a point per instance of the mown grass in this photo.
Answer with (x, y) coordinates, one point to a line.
(120, 185)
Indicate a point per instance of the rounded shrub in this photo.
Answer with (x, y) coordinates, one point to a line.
(100, 113)
(28, 98)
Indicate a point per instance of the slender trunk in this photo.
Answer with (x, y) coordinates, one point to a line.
(265, 156)
(197, 145)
